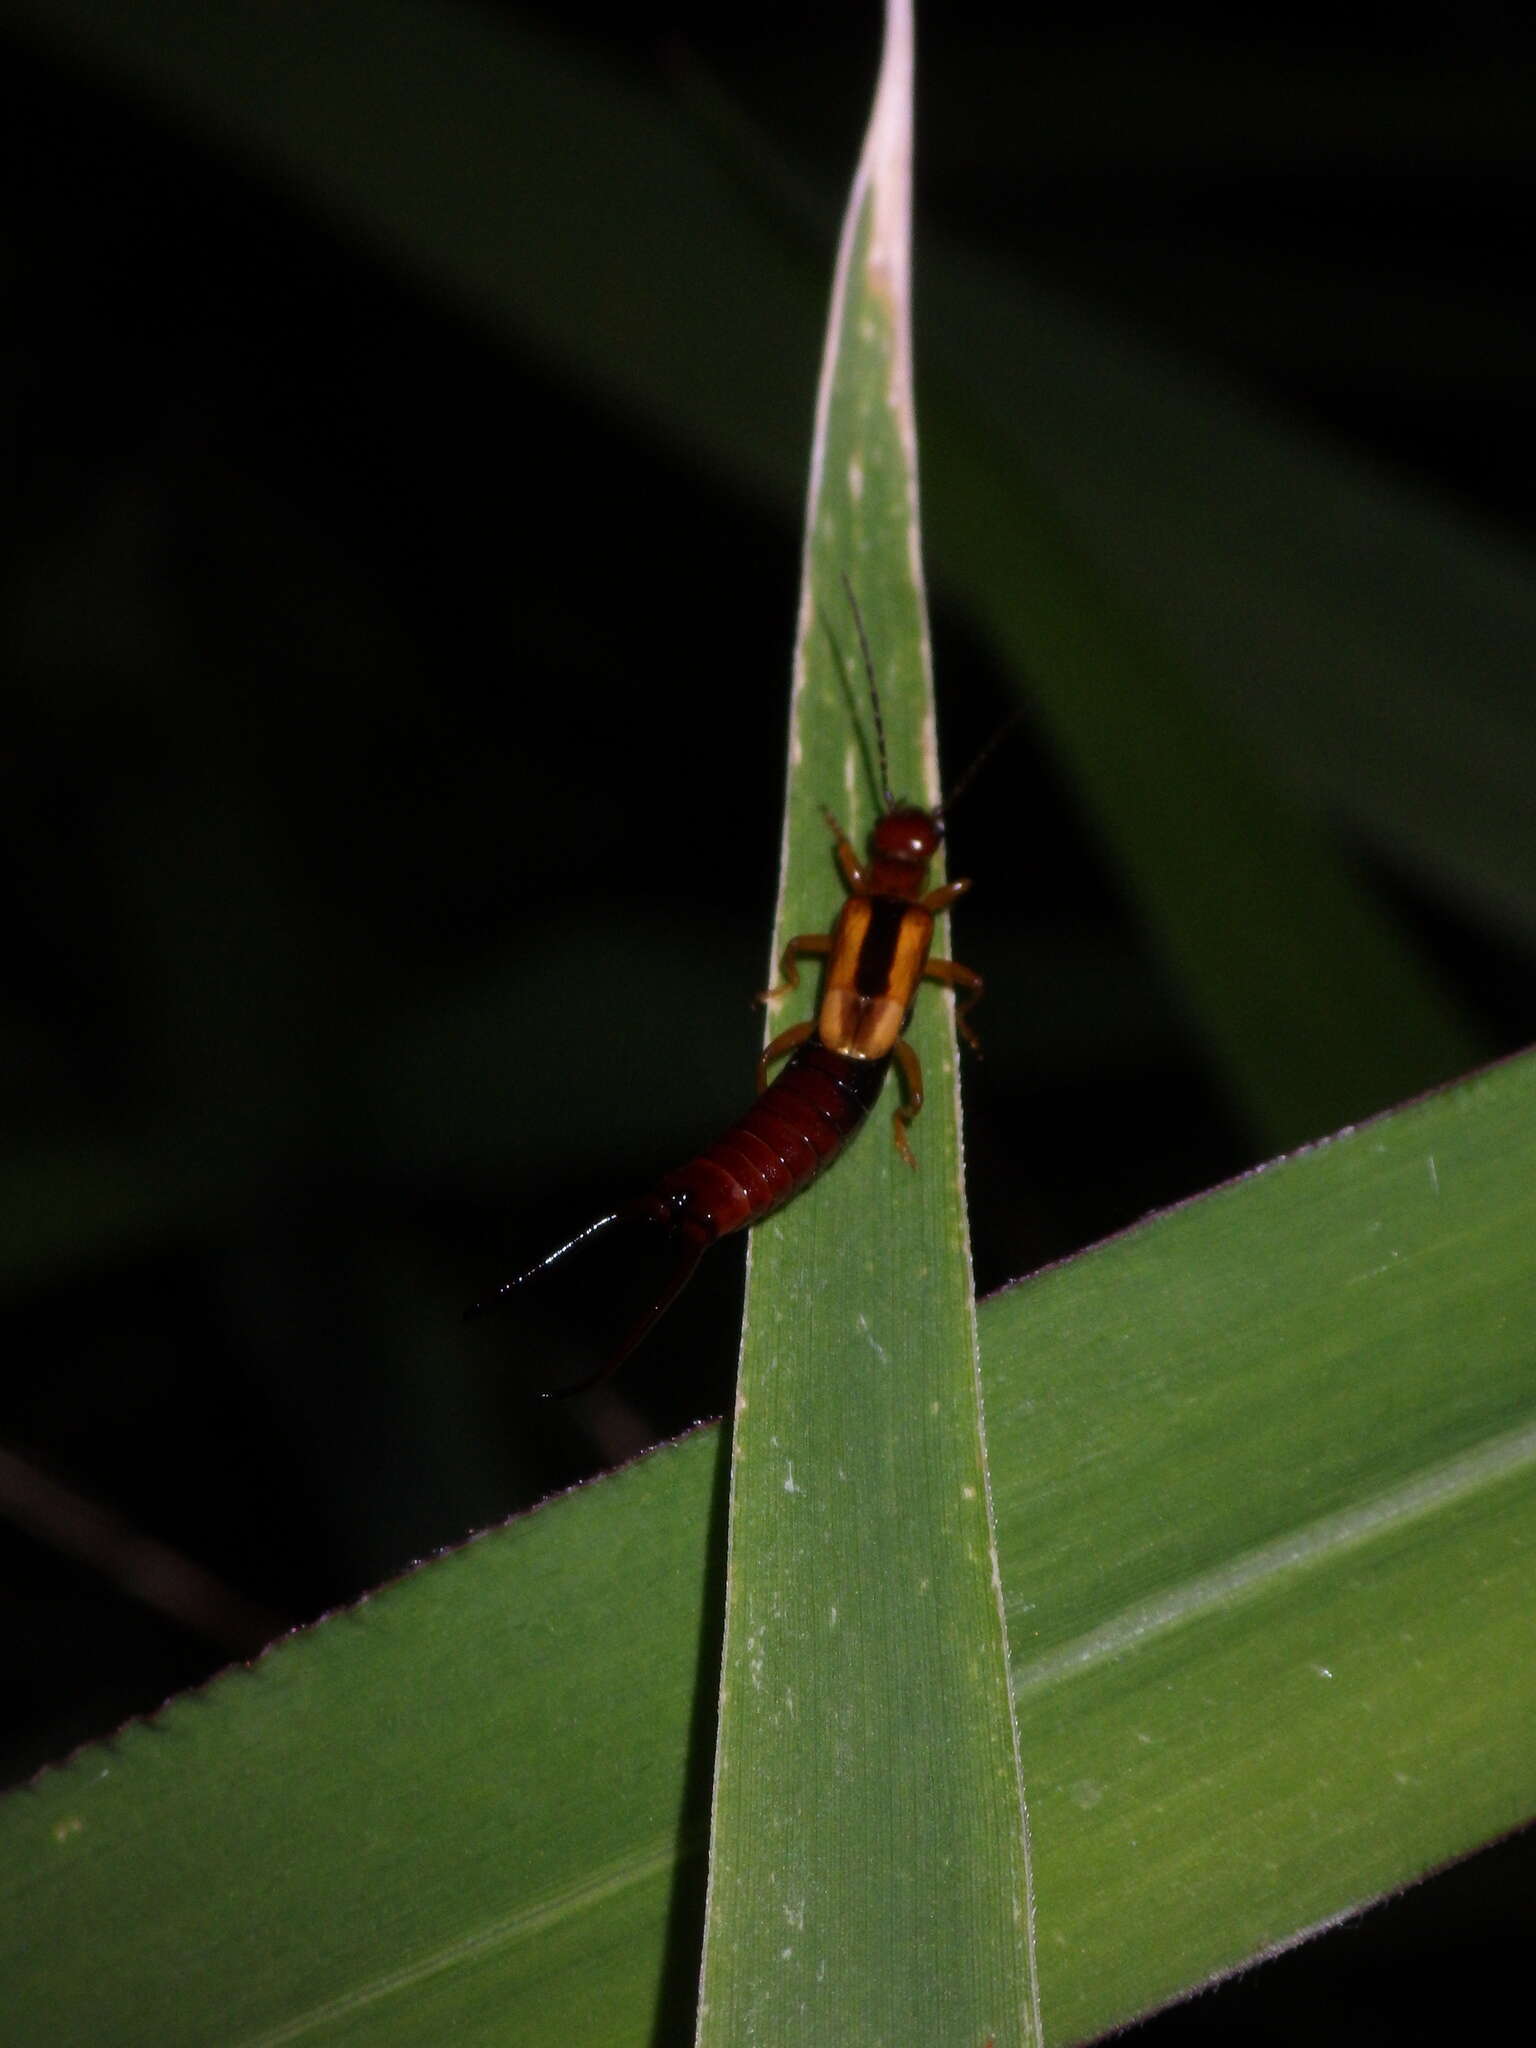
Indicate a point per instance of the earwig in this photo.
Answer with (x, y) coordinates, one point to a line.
(877, 956)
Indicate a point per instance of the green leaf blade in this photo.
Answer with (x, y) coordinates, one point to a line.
(1249, 1777)
(868, 1875)
(1265, 1547)
(423, 1817)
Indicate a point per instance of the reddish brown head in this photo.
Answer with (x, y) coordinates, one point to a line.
(903, 842)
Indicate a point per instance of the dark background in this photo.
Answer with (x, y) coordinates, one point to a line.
(392, 760)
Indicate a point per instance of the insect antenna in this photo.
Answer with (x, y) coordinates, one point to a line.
(958, 788)
(874, 693)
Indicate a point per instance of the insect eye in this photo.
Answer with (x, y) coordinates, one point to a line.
(907, 834)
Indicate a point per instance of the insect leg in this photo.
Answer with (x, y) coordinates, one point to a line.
(806, 942)
(847, 857)
(954, 976)
(776, 1048)
(940, 899)
(912, 1083)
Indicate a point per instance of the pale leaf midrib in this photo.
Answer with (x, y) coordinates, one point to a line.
(1245, 1577)
(526, 1924)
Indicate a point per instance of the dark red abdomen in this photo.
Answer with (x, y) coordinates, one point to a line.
(797, 1126)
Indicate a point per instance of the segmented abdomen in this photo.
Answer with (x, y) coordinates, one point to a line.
(799, 1123)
